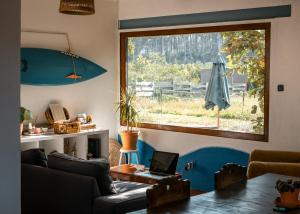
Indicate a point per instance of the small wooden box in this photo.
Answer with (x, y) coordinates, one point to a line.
(66, 127)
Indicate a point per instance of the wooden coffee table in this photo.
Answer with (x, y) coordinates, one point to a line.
(126, 172)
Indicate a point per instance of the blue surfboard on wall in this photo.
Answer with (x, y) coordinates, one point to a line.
(51, 67)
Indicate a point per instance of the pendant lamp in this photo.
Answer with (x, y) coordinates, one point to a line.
(77, 7)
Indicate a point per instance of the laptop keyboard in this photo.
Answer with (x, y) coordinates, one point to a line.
(151, 175)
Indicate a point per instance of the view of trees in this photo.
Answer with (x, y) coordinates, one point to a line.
(178, 49)
(181, 58)
(154, 68)
(246, 54)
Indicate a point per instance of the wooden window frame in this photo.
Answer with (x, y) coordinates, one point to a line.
(204, 131)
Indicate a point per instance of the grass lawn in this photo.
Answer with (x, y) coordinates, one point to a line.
(190, 112)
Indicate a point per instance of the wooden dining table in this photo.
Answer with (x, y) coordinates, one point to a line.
(256, 195)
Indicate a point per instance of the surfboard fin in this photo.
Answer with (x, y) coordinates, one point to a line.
(73, 75)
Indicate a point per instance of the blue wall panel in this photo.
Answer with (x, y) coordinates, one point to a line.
(207, 161)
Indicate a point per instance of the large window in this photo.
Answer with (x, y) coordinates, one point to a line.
(174, 73)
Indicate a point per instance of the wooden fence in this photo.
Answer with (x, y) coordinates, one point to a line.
(149, 89)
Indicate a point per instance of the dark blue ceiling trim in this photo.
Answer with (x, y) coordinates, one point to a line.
(209, 17)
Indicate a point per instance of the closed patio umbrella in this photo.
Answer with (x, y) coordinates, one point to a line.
(217, 93)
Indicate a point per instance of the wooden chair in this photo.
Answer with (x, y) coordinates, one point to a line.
(114, 153)
(229, 174)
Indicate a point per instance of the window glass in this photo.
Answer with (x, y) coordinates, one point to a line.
(172, 77)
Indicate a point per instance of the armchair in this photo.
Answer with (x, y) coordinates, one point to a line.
(280, 162)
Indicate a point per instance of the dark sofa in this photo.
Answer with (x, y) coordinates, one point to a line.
(52, 191)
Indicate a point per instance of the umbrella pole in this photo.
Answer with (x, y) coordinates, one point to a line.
(218, 123)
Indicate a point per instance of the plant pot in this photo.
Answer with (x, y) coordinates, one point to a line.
(21, 128)
(129, 140)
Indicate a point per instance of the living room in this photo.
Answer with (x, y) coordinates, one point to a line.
(166, 123)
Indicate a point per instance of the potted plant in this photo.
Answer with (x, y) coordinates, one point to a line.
(25, 115)
(129, 117)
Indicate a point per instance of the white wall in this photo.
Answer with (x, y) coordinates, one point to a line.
(93, 37)
(10, 188)
(284, 107)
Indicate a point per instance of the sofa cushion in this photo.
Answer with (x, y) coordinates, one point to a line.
(124, 202)
(34, 157)
(275, 156)
(257, 168)
(50, 191)
(98, 169)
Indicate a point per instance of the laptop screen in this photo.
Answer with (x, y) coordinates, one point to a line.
(164, 162)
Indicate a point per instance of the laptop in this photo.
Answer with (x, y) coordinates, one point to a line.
(162, 164)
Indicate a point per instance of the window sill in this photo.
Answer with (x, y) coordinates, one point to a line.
(209, 131)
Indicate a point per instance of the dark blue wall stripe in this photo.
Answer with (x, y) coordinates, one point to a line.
(209, 17)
